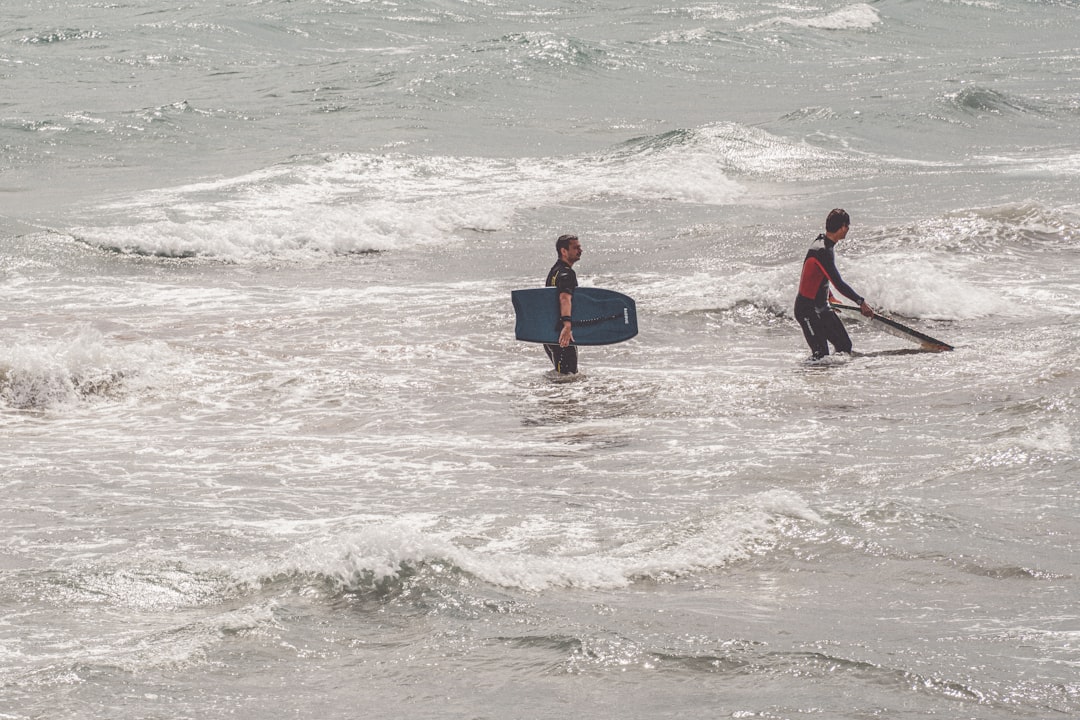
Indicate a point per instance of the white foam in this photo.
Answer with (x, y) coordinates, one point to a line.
(923, 287)
(1055, 438)
(767, 288)
(362, 203)
(46, 373)
(853, 17)
(363, 560)
(143, 648)
(1029, 226)
(754, 152)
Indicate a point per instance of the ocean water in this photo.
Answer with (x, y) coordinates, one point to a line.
(269, 449)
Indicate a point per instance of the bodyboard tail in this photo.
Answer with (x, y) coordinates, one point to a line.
(893, 327)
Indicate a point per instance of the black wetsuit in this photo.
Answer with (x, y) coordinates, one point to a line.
(820, 324)
(564, 359)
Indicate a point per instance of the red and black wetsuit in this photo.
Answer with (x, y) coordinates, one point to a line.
(820, 325)
(562, 276)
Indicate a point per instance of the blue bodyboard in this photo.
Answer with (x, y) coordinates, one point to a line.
(601, 317)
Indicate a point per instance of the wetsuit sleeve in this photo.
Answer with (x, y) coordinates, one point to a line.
(828, 264)
(566, 282)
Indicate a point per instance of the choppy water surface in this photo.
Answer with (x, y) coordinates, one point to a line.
(269, 447)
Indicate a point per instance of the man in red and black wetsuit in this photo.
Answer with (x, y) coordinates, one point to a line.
(820, 323)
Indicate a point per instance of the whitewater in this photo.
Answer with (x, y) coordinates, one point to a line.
(269, 448)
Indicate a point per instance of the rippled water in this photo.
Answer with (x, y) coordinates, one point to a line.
(269, 447)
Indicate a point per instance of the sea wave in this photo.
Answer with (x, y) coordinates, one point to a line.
(853, 17)
(547, 49)
(1012, 229)
(859, 16)
(755, 153)
(47, 37)
(378, 558)
(182, 613)
(82, 365)
(367, 203)
(977, 100)
(924, 286)
(354, 203)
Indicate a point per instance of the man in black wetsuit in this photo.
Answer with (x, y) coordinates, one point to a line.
(562, 276)
(820, 323)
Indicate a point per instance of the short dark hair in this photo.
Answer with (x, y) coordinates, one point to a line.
(837, 219)
(563, 243)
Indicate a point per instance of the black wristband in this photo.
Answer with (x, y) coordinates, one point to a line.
(566, 318)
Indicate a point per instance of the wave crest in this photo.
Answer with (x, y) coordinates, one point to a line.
(984, 101)
(369, 203)
(378, 559)
(853, 17)
(80, 366)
